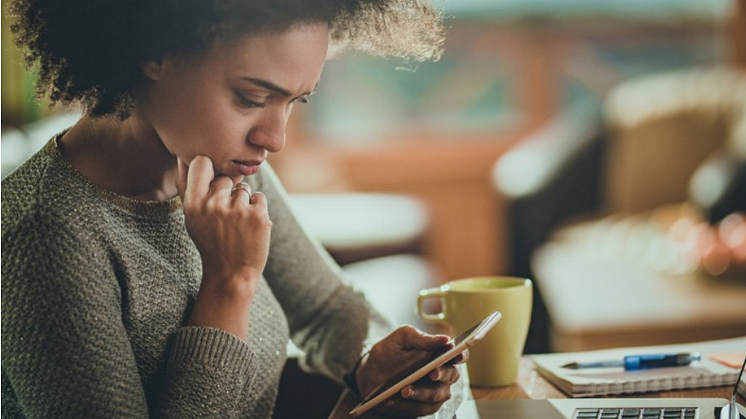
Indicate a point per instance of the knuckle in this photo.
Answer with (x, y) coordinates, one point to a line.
(378, 347)
(408, 329)
(455, 375)
(442, 394)
(405, 332)
(213, 206)
(259, 217)
(210, 204)
(190, 208)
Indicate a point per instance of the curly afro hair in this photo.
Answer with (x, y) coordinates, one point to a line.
(88, 52)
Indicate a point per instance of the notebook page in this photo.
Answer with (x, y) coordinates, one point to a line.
(609, 381)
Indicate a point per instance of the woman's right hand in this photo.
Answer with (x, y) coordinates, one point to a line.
(231, 228)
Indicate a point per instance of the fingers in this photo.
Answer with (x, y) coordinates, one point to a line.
(447, 374)
(259, 200)
(221, 186)
(414, 339)
(199, 177)
(424, 397)
(243, 195)
(242, 192)
(461, 358)
(420, 400)
(403, 348)
(427, 392)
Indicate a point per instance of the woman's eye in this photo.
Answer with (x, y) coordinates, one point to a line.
(301, 100)
(248, 103)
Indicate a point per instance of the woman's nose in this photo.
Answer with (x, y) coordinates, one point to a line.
(269, 132)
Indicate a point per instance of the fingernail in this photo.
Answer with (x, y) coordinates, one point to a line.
(408, 392)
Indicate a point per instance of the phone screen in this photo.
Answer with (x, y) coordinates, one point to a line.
(429, 362)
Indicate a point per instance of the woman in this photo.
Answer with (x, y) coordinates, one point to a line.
(139, 276)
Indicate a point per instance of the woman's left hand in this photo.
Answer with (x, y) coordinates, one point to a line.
(400, 349)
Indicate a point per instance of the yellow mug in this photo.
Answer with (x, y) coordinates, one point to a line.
(464, 302)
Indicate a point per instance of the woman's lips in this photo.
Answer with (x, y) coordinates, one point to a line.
(247, 168)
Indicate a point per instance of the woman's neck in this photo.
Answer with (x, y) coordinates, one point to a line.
(125, 157)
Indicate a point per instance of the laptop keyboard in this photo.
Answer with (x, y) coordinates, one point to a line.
(637, 413)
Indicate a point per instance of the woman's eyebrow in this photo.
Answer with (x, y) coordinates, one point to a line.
(273, 87)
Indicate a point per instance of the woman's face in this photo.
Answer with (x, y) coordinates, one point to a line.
(232, 104)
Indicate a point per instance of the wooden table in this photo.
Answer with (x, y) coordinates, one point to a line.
(668, 307)
(530, 385)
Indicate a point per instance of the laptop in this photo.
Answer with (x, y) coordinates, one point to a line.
(608, 408)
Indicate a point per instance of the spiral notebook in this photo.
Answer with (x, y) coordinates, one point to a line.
(710, 371)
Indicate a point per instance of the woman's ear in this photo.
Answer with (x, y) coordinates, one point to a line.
(152, 68)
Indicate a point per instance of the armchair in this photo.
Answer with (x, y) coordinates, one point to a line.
(550, 177)
(668, 139)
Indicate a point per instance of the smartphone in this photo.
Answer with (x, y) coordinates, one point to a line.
(460, 343)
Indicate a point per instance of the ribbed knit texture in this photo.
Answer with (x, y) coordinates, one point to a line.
(97, 289)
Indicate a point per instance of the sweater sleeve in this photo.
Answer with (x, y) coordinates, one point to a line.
(66, 350)
(207, 372)
(329, 321)
(332, 323)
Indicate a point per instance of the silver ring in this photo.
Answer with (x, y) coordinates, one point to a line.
(243, 186)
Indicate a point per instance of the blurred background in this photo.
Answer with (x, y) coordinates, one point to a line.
(413, 174)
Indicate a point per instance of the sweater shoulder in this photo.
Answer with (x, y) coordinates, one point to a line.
(21, 189)
(44, 178)
(45, 207)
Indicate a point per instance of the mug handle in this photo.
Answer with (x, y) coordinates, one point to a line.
(431, 293)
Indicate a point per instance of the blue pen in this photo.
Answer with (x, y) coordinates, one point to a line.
(641, 362)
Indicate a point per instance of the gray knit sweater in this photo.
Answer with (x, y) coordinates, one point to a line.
(97, 289)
